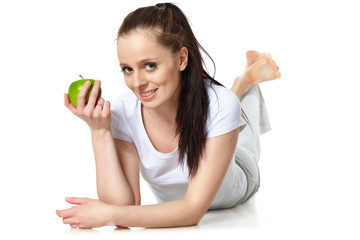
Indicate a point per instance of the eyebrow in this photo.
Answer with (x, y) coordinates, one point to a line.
(140, 62)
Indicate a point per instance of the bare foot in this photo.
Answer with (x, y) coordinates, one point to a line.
(260, 68)
(264, 69)
(253, 56)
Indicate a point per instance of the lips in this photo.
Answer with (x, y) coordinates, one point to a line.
(148, 93)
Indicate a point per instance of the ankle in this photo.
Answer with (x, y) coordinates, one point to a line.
(242, 84)
(248, 78)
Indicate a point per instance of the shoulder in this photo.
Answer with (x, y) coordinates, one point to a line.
(124, 105)
(124, 116)
(124, 100)
(222, 100)
(222, 96)
(224, 110)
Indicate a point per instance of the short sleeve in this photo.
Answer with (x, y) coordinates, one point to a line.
(224, 112)
(118, 123)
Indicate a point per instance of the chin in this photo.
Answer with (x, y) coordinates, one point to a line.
(149, 105)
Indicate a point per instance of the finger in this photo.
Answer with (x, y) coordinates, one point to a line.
(75, 200)
(82, 95)
(74, 225)
(99, 107)
(100, 103)
(106, 109)
(66, 213)
(71, 221)
(94, 93)
(68, 104)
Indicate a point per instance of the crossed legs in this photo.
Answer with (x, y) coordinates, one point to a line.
(260, 67)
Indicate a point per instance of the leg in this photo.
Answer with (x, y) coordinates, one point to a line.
(253, 105)
(248, 149)
(260, 67)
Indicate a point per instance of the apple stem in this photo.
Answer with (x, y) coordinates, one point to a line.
(81, 76)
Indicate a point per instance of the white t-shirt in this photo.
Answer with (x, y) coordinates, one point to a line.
(167, 179)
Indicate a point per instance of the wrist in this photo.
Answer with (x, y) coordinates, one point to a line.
(114, 211)
(100, 133)
(116, 214)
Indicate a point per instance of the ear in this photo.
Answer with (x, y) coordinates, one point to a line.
(183, 58)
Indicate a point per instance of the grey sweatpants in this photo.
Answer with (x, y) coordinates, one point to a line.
(247, 153)
(242, 179)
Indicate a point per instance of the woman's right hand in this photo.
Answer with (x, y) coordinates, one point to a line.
(96, 113)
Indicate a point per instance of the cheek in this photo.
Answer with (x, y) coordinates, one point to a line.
(128, 82)
(172, 77)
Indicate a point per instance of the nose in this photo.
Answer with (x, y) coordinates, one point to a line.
(139, 81)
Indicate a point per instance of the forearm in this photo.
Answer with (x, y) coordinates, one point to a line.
(112, 186)
(170, 214)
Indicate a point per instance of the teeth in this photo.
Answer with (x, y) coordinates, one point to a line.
(148, 93)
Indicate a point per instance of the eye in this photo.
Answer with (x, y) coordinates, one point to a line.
(150, 66)
(126, 70)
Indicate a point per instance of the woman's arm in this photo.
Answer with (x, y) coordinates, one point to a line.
(129, 161)
(112, 183)
(91, 213)
(117, 171)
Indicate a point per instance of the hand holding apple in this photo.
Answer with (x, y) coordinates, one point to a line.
(90, 107)
(75, 88)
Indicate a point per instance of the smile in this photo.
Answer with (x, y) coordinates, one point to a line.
(147, 94)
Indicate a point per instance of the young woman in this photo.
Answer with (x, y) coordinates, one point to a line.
(178, 126)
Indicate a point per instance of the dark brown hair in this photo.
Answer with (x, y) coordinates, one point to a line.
(193, 101)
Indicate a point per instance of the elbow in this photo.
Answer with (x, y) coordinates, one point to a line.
(197, 219)
(195, 215)
(116, 202)
(193, 221)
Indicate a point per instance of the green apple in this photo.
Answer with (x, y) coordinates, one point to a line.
(75, 88)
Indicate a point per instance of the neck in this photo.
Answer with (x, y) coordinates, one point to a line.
(165, 114)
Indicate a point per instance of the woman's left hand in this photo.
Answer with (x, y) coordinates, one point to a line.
(90, 213)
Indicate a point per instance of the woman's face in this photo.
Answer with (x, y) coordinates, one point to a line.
(150, 70)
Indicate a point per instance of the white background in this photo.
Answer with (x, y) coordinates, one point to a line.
(310, 161)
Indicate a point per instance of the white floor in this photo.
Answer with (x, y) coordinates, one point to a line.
(294, 202)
